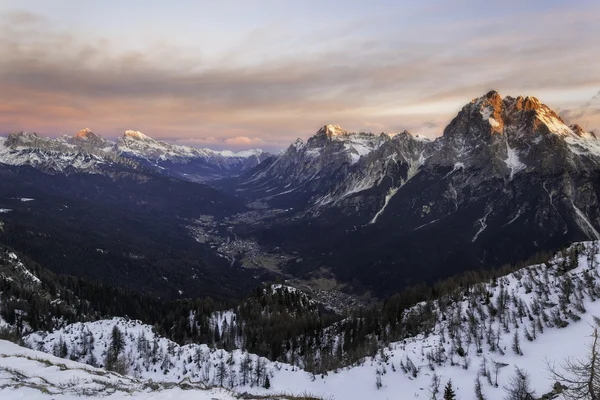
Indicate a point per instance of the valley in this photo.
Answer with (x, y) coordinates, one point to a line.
(505, 169)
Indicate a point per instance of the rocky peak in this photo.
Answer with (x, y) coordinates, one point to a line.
(482, 116)
(31, 141)
(520, 103)
(503, 136)
(88, 142)
(528, 103)
(406, 135)
(332, 130)
(491, 97)
(490, 108)
(22, 139)
(298, 144)
(23, 135)
(491, 114)
(85, 133)
(533, 116)
(578, 130)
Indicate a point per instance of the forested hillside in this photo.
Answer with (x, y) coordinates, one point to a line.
(475, 334)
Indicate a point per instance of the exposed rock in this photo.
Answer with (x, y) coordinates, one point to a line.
(508, 178)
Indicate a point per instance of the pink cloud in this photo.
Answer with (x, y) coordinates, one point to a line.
(243, 141)
(198, 141)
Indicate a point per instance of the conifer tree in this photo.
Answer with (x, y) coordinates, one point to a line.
(221, 373)
(516, 345)
(478, 391)
(117, 343)
(449, 391)
(245, 367)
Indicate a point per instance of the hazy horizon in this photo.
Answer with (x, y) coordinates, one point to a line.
(259, 74)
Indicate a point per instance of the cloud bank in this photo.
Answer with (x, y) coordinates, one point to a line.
(56, 81)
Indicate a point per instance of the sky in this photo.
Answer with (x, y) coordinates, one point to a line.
(261, 73)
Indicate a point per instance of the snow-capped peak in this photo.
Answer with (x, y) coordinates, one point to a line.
(243, 153)
(405, 134)
(298, 144)
(136, 135)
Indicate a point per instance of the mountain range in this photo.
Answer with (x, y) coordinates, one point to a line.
(88, 152)
(364, 212)
(506, 180)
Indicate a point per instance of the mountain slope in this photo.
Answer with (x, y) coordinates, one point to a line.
(126, 228)
(464, 335)
(507, 179)
(34, 375)
(332, 165)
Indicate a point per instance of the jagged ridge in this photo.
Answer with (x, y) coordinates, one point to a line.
(86, 151)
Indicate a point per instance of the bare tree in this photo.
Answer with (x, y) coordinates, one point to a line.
(378, 382)
(434, 387)
(497, 367)
(580, 378)
(519, 387)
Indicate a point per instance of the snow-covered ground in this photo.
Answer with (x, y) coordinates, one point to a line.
(550, 308)
(33, 375)
(18, 264)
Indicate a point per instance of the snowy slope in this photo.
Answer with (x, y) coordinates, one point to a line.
(334, 167)
(536, 286)
(553, 304)
(32, 375)
(55, 159)
(140, 145)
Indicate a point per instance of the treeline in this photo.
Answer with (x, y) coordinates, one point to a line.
(276, 322)
(59, 300)
(283, 324)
